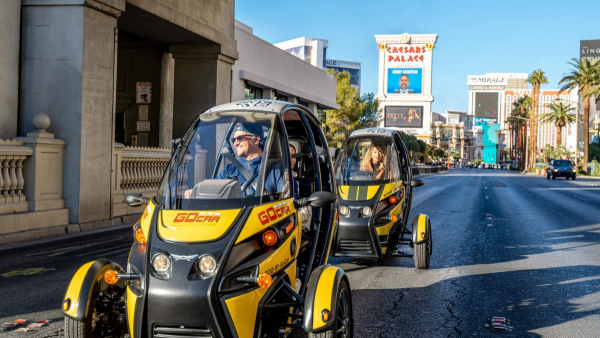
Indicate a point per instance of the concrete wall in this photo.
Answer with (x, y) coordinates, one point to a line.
(270, 67)
(67, 73)
(211, 19)
(10, 20)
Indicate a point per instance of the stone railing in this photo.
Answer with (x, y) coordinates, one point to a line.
(12, 181)
(138, 169)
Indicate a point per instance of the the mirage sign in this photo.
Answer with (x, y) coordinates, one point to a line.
(474, 80)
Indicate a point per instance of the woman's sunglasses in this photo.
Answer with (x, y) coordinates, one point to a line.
(241, 138)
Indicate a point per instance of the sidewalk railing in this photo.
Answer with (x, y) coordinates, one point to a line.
(136, 169)
(12, 181)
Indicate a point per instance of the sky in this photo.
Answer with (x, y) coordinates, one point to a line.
(474, 37)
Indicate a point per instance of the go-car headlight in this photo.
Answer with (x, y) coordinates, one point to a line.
(344, 210)
(207, 265)
(161, 263)
(366, 211)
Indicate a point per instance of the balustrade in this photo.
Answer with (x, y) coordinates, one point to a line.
(139, 169)
(12, 182)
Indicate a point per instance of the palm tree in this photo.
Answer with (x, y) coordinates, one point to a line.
(536, 79)
(519, 113)
(560, 114)
(584, 78)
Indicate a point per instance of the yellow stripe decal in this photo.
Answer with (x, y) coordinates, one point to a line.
(131, 301)
(74, 289)
(323, 295)
(384, 230)
(422, 227)
(357, 193)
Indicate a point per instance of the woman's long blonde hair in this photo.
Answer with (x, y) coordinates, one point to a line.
(366, 162)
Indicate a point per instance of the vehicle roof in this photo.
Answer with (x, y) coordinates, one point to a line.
(373, 131)
(271, 106)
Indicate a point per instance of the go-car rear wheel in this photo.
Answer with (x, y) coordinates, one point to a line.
(343, 327)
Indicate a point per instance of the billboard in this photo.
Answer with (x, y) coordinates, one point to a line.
(486, 107)
(404, 116)
(404, 81)
(589, 49)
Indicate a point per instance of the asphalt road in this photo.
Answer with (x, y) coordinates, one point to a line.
(505, 244)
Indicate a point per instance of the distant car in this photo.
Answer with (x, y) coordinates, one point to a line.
(561, 168)
(481, 166)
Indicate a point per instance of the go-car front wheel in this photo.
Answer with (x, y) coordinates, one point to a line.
(105, 320)
(343, 325)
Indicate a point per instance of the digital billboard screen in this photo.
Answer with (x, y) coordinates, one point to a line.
(405, 81)
(403, 117)
(486, 107)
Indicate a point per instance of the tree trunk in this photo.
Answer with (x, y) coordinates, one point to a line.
(558, 135)
(586, 128)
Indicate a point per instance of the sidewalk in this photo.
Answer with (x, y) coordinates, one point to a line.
(41, 236)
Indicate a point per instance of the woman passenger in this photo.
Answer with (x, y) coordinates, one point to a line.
(374, 161)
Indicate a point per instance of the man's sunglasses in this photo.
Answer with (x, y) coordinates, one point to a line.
(241, 138)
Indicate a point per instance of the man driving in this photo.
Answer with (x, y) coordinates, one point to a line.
(246, 141)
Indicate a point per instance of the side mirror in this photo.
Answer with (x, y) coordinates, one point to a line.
(317, 199)
(414, 183)
(135, 199)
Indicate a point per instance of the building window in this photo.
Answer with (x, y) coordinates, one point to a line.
(252, 93)
(280, 97)
(304, 103)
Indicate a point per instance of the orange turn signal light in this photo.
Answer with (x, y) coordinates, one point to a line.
(325, 315)
(67, 304)
(269, 237)
(139, 236)
(264, 280)
(394, 218)
(110, 277)
(393, 199)
(289, 228)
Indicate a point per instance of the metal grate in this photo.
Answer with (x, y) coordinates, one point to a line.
(354, 245)
(175, 331)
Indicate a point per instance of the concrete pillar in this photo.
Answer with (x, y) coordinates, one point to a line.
(67, 72)
(202, 80)
(165, 133)
(10, 32)
(268, 94)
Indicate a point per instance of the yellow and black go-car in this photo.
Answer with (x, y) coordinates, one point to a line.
(375, 188)
(235, 242)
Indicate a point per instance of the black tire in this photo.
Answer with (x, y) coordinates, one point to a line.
(553, 177)
(92, 327)
(344, 324)
(77, 329)
(573, 178)
(422, 252)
